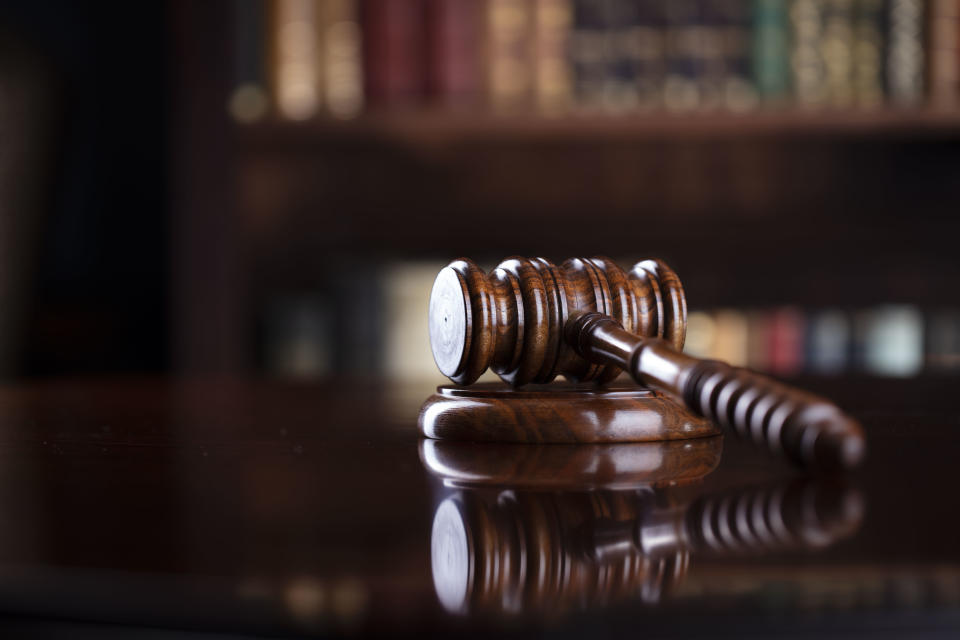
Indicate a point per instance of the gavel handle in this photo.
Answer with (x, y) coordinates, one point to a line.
(806, 428)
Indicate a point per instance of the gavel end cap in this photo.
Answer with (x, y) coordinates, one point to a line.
(449, 322)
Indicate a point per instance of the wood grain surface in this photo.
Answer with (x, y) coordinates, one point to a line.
(558, 413)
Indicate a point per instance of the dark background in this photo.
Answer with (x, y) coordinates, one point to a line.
(166, 230)
(101, 281)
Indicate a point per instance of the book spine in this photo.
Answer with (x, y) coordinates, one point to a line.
(771, 51)
(296, 55)
(868, 43)
(360, 301)
(509, 37)
(249, 101)
(943, 341)
(828, 342)
(393, 52)
(620, 90)
(646, 50)
(905, 52)
(944, 53)
(732, 340)
(891, 340)
(297, 337)
(786, 342)
(588, 58)
(807, 62)
(552, 74)
(710, 34)
(701, 335)
(838, 53)
(343, 67)
(454, 40)
(758, 340)
(733, 25)
(684, 56)
(405, 293)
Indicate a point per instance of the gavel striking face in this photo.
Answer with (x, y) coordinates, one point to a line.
(530, 320)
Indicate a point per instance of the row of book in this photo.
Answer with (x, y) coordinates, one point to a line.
(335, 330)
(892, 340)
(303, 58)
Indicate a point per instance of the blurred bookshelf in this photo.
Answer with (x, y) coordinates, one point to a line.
(303, 60)
(799, 155)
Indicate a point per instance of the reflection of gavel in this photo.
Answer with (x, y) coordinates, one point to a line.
(530, 320)
(522, 550)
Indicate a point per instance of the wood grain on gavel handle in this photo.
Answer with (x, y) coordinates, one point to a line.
(806, 428)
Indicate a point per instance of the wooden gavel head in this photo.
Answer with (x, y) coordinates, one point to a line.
(512, 320)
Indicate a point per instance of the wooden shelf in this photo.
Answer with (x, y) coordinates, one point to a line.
(438, 127)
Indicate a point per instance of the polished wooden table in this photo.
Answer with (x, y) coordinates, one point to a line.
(260, 507)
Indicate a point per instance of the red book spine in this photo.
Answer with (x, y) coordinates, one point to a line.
(454, 73)
(394, 51)
(786, 333)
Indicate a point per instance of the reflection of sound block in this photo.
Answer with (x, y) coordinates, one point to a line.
(558, 413)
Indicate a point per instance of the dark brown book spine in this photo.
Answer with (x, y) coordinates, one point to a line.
(394, 51)
(454, 43)
(944, 53)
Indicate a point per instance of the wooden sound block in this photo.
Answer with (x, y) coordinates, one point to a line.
(560, 413)
(625, 465)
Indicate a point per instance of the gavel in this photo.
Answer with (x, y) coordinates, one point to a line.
(530, 320)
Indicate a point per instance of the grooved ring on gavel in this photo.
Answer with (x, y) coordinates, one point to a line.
(512, 319)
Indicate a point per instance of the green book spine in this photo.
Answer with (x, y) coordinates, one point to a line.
(771, 50)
